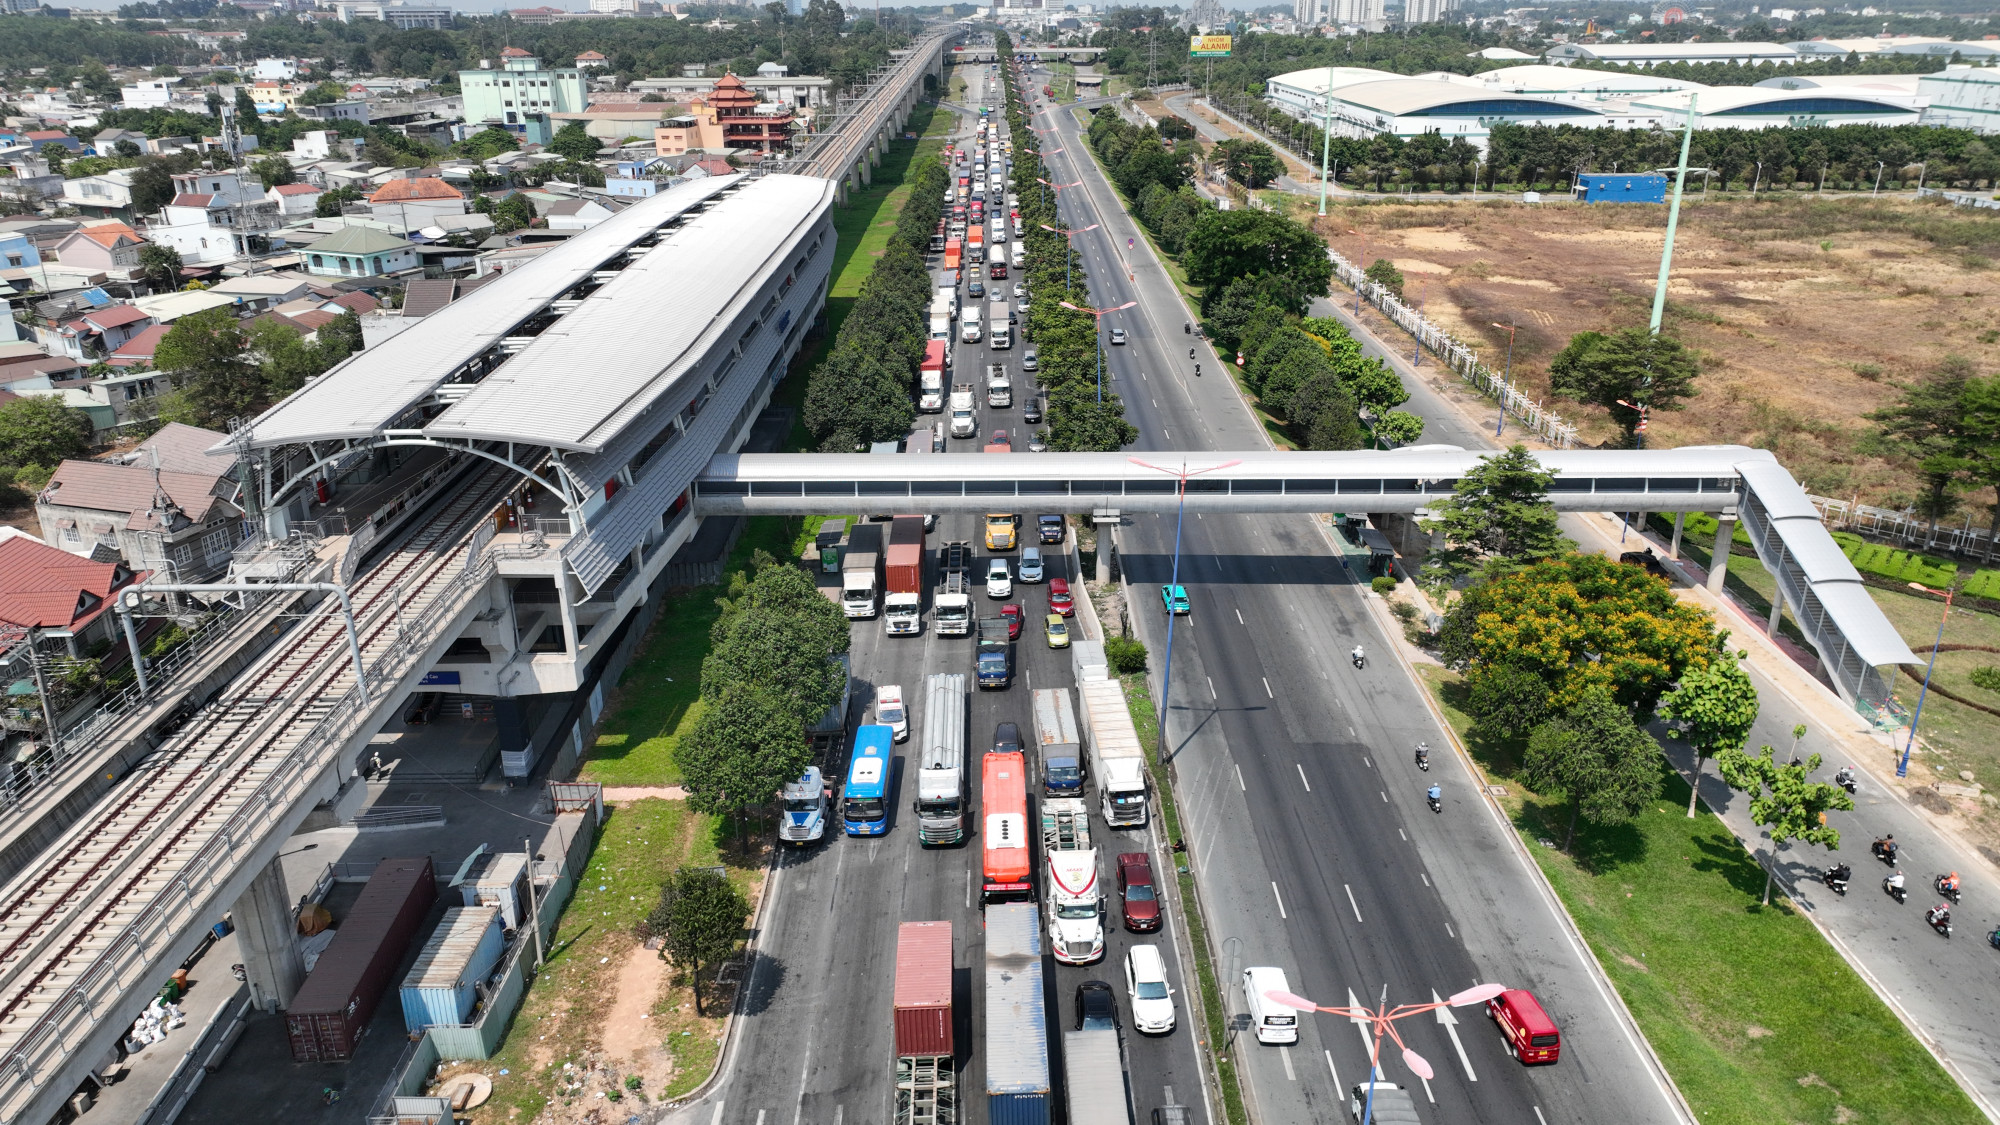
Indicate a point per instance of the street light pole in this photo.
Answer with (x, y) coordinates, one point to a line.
(1384, 1020)
(1506, 380)
(1325, 137)
(1903, 765)
(1068, 235)
(1180, 514)
(1361, 265)
(1099, 326)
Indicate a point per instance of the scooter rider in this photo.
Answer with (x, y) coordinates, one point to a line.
(1939, 915)
(1358, 656)
(1435, 794)
(1894, 885)
(1886, 846)
(1948, 884)
(1839, 873)
(1424, 754)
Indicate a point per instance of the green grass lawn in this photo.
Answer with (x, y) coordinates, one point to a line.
(1756, 1017)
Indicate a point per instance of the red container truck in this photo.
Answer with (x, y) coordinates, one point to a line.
(923, 990)
(334, 1004)
(902, 609)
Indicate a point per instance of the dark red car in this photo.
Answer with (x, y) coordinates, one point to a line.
(1012, 615)
(1137, 894)
(1060, 600)
(998, 272)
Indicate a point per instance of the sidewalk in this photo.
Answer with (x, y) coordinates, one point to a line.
(1932, 984)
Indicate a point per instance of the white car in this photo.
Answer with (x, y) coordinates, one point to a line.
(1020, 291)
(890, 712)
(1146, 986)
(999, 581)
(1117, 335)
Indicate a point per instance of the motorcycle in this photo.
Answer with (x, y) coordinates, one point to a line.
(1845, 778)
(1835, 879)
(1187, 327)
(1437, 804)
(1944, 889)
(1423, 757)
(1884, 851)
(1940, 921)
(1360, 662)
(1993, 939)
(1197, 370)
(1895, 890)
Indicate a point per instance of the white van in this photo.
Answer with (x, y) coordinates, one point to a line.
(890, 712)
(1274, 1022)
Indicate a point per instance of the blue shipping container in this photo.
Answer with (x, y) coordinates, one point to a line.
(1601, 187)
(462, 952)
(1017, 1023)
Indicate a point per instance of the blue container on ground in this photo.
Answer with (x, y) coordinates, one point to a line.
(1620, 187)
(461, 952)
(1017, 1022)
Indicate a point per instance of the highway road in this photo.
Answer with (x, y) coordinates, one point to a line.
(814, 1042)
(1312, 845)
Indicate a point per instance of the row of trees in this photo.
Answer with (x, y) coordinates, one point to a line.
(223, 368)
(1080, 415)
(1945, 426)
(861, 392)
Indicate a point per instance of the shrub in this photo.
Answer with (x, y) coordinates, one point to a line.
(1383, 585)
(1985, 584)
(1986, 676)
(1125, 654)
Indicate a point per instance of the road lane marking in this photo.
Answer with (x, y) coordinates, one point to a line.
(1239, 619)
(716, 1118)
(1450, 1023)
(1366, 762)
(1281, 907)
(1211, 687)
(1425, 878)
(1385, 797)
(1267, 688)
(1285, 1053)
(1399, 832)
(1350, 900)
(839, 1111)
(1539, 1117)
(968, 888)
(1367, 1043)
(1302, 777)
(1239, 778)
(1331, 1071)
(1452, 932)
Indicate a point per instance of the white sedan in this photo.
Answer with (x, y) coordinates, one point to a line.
(1146, 985)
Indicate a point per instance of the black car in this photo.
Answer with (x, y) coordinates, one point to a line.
(1051, 528)
(975, 288)
(1006, 739)
(1096, 1006)
(1031, 410)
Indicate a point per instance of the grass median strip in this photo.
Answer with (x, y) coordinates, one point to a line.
(1756, 1017)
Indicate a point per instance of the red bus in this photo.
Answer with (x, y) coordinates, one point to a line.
(1003, 798)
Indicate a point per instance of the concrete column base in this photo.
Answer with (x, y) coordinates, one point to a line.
(1674, 547)
(266, 938)
(1718, 562)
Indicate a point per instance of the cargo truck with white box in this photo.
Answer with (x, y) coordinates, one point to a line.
(1117, 762)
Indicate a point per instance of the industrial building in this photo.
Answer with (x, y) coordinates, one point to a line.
(1962, 97)
(1653, 54)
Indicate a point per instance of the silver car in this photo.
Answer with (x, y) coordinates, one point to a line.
(1030, 568)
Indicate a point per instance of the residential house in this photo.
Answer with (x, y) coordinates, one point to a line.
(105, 195)
(318, 144)
(134, 393)
(589, 59)
(577, 214)
(358, 251)
(413, 204)
(167, 507)
(295, 199)
(110, 247)
(277, 70)
(38, 139)
(105, 141)
(275, 98)
(137, 352)
(18, 251)
(347, 109)
(542, 15)
(260, 291)
(215, 217)
(45, 588)
(148, 93)
(800, 91)
(169, 307)
(92, 334)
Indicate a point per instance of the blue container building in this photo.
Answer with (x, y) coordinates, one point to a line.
(442, 986)
(1621, 187)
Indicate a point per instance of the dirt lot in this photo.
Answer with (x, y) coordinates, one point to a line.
(1808, 314)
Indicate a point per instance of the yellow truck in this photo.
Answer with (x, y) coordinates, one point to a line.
(1001, 529)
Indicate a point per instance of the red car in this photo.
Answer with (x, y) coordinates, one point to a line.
(1136, 892)
(1059, 598)
(998, 271)
(1012, 614)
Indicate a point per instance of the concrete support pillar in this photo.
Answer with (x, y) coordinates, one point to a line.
(265, 939)
(566, 607)
(1674, 545)
(510, 722)
(1718, 563)
(1777, 615)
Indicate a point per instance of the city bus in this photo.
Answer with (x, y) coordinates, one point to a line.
(864, 802)
(1003, 800)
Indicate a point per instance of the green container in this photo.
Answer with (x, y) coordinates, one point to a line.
(829, 560)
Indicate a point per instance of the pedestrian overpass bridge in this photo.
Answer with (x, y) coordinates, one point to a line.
(1817, 583)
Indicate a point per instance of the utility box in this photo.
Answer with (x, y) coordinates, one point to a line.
(1601, 187)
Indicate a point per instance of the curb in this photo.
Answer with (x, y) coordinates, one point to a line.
(725, 1058)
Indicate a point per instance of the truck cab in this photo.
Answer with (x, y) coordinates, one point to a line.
(994, 662)
(1076, 894)
(1000, 531)
(999, 388)
(804, 818)
(964, 423)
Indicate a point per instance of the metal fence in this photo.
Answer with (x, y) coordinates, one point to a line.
(1962, 199)
(1546, 424)
(1907, 528)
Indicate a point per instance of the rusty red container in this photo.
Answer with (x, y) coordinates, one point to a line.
(326, 1018)
(923, 989)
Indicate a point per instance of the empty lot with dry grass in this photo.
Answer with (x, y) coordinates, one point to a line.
(1807, 313)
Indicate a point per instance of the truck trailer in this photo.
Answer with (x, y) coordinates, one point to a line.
(861, 571)
(1000, 325)
(1116, 759)
(937, 361)
(941, 771)
(926, 1088)
(1094, 1078)
(903, 601)
(1017, 1019)
(1062, 746)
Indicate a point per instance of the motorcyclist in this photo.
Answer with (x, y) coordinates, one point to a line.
(1886, 845)
(1844, 776)
(1187, 326)
(1435, 793)
(1948, 884)
(1938, 915)
(1197, 370)
(1423, 752)
(1190, 353)
(1357, 656)
(1895, 882)
(1840, 873)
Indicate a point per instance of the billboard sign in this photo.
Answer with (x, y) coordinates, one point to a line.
(1208, 46)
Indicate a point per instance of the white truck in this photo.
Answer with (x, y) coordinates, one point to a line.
(999, 388)
(951, 608)
(804, 819)
(1117, 763)
(964, 423)
(1076, 895)
(949, 295)
(941, 788)
(1017, 256)
(861, 571)
(1001, 326)
(968, 324)
(941, 314)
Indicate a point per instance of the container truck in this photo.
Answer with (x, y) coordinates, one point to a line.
(953, 251)
(926, 1091)
(805, 801)
(999, 326)
(968, 325)
(941, 777)
(1062, 747)
(952, 607)
(949, 294)
(994, 661)
(931, 376)
(940, 321)
(1116, 760)
(823, 737)
(1076, 895)
(975, 243)
(1094, 1078)
(964, 423)
(903, 600)
(999, 388)
(1017, 1021)
(861, 571)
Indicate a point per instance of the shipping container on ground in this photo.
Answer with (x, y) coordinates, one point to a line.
(334, 1004)
(442, 987)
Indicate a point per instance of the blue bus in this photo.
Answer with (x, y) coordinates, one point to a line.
(864, 803)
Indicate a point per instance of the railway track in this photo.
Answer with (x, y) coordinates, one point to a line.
(129, 856)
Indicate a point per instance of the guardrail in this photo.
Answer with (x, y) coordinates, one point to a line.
(1962, 199)
(383, 817)
(132, 955)
(1544, 422)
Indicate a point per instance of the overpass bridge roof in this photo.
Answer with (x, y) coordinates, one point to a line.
(370, 390)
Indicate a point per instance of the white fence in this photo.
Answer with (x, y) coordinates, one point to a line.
(1907, 528)
(1546, 424)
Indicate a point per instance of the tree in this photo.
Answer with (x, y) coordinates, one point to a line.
(274, 170)
(1498, 510)
(574, 142)
(487, 143)
(1399, 427)
(1598, 758)
(1929, 425)
(1286, 260)
(699, 919)
(1626, 366)
(1508, 702)
(162, 265)
(57, 154)
(1323, 416)
(326, 93)
(1784, 799)
(781, 641)
(1249, 162)
(746, 744)
(513, 213)
(1979, 406)
(1579, 622)
(203, 355)
(1383, 272)
(246, 109)
(1715, 707)
(39, 430)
